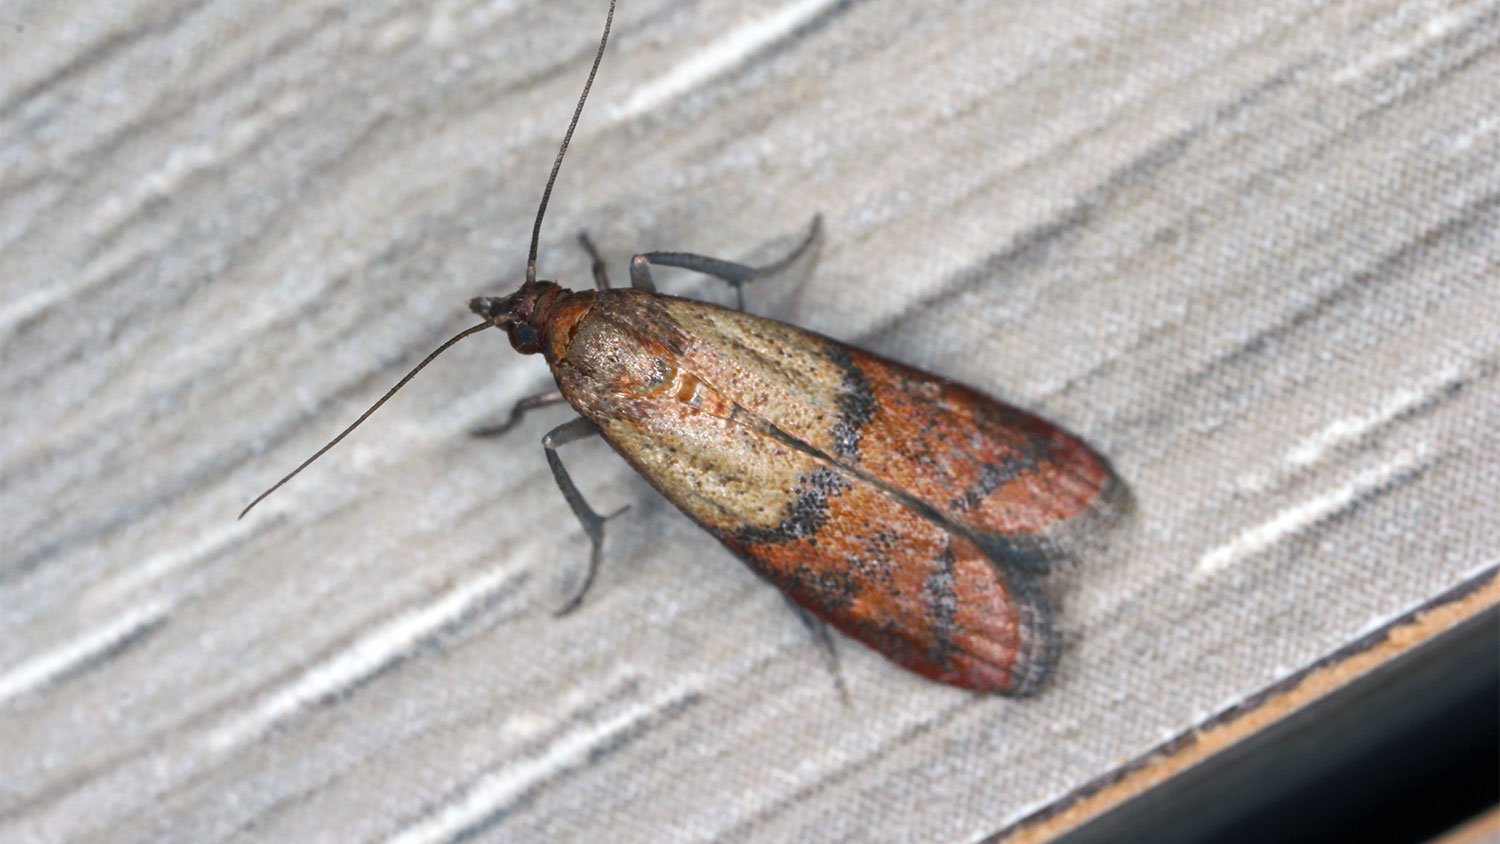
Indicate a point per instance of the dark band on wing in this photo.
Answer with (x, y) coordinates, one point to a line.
(1030, 554)
(805, 514)
(856, 404)
(831, 590)
(941, 596)
(992, 476)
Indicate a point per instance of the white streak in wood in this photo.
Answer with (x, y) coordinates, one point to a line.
(185, 161)
(1396, 50)
(455, 23)
(495, 790)
(364, 657)
(720, 56)
(1297, 517)
(156, 567)
(181, 164)
(71, 286)
(1312, 448)
(1465, 141)
(50, 665)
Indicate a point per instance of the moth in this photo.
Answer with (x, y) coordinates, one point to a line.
(907, 511)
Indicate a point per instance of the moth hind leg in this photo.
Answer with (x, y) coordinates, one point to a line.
(731, 273)
(596, 261)
(593, 523)
(827, 647)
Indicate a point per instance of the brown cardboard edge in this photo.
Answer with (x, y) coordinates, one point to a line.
(1482, 829)
(1257, 712)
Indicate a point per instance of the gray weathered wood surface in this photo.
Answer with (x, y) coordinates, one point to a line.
(1250, 250)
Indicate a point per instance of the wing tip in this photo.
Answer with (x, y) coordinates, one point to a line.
(1037, 651)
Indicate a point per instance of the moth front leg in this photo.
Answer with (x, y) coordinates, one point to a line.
(519, 410)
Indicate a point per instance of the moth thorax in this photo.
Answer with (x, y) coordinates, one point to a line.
(621, 359)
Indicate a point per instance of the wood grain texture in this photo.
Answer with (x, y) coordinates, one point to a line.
(1249, 253)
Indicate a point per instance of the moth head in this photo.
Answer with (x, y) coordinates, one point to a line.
(523, 314)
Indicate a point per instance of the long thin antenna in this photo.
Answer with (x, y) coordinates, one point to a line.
(536, 234)
(366, 415)
(536, 229)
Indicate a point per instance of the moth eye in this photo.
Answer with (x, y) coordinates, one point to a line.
(523, 337)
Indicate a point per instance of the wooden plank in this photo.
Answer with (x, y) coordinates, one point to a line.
(1249, 252)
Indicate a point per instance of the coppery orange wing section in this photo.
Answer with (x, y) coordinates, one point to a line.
(1017, 483)
(881, 572)
(863, 561)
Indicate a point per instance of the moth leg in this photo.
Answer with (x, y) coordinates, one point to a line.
(519, 410)
(826, 646)
(640, 274)
(729, 272)
(593, 523)
(601, 272)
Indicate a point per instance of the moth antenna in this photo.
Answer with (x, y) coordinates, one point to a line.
(366, 415)
(536, 234)
(536, 229)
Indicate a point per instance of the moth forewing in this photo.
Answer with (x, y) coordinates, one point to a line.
(873, 494)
